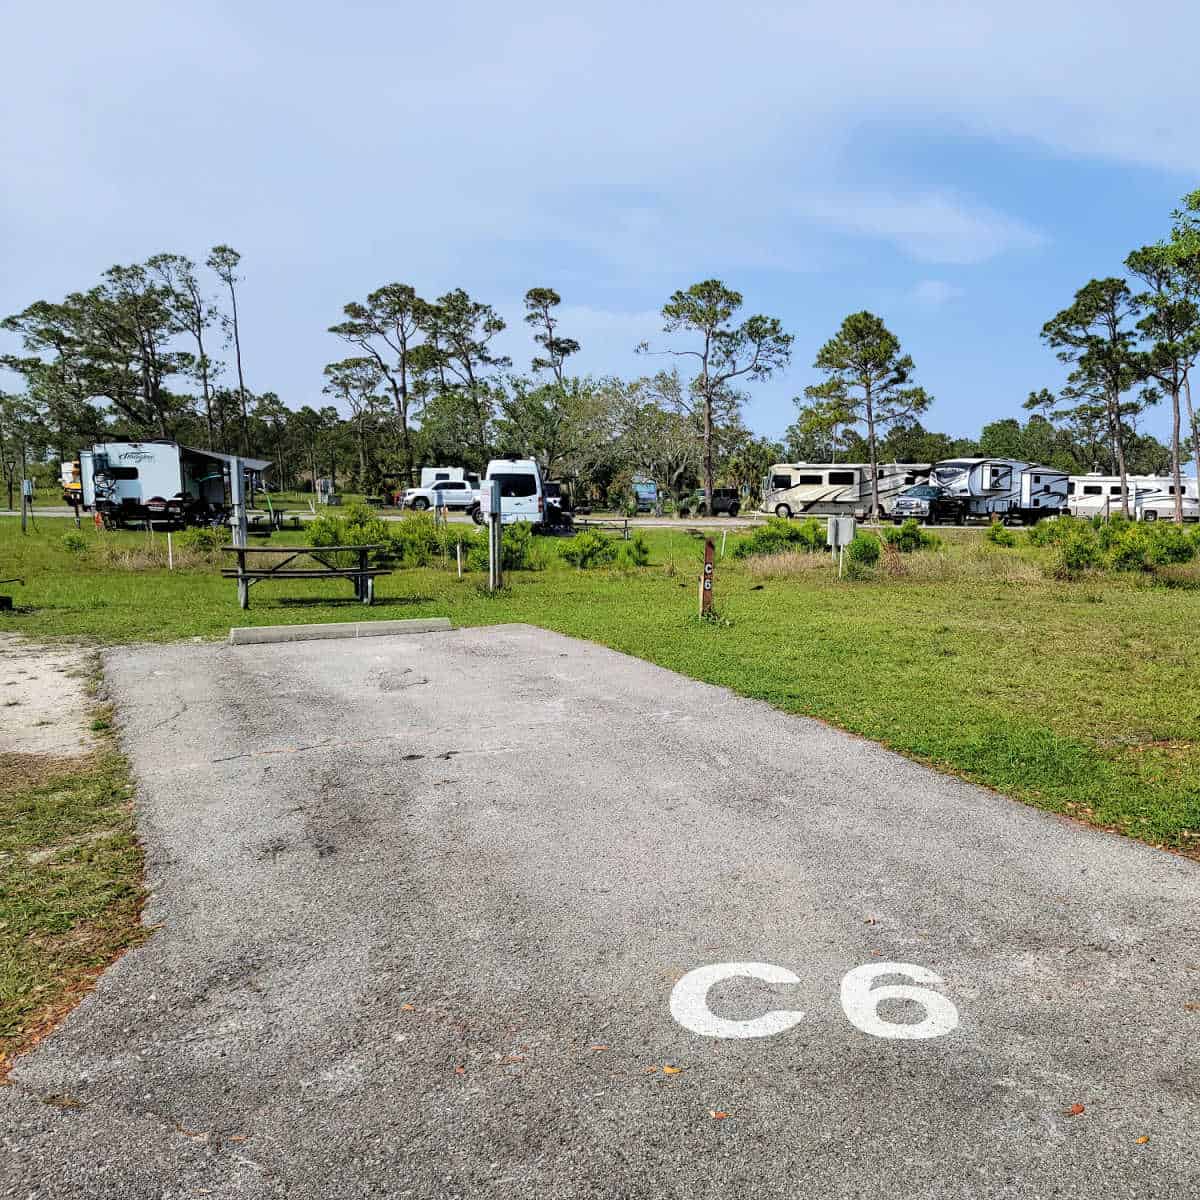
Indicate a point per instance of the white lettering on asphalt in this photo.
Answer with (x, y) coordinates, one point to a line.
(689, 1001)
(860, 1001)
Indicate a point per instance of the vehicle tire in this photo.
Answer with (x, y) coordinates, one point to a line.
(782, 510)
(420, 504)
(1150, 515)
(733, 509)
(960, 517)
(897, 520)
(477, 515)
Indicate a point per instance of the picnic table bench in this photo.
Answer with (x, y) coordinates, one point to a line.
(618, 523)
(363, 575)
(265, 521)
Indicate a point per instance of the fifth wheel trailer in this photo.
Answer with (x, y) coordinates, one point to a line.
(1003, 487)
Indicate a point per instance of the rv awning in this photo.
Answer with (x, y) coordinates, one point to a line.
(251, 464)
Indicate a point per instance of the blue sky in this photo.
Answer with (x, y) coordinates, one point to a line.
(958, 168)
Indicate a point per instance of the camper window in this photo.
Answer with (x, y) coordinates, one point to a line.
(803, 479)
(781, 481)
(517, 484)
(122, 472)
(998, 478)
(1092, 489)
(1115, 490)
(841, 477)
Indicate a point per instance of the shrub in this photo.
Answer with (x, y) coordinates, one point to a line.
(1109, 532)
(1052, 530)
(415, 539)
(863, 550)
(1000, 535)
(1170, 545)
(778, 536)
(637, 550)
(589, 549)
(1077, 549)
(358, 526)
(202, 539)
(518, 550)
(909, 537)
(1129, 551)
(74, 541)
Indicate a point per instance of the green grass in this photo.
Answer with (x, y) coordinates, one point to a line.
(70, 879)
(1080, 697)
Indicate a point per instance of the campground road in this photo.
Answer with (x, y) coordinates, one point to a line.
(423, 902)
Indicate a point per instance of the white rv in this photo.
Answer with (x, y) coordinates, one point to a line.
(1151, 497)
(157, 481)
(835, 489)
(1003, 487)
(432, 475)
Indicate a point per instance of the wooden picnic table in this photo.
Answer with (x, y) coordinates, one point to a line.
(621, 523)
(363, 575)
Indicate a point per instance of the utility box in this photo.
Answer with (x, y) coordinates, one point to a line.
(841, 532)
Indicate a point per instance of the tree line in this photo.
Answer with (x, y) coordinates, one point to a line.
(155, 349)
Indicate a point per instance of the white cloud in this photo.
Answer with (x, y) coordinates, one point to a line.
(933, 293)
(929, 227)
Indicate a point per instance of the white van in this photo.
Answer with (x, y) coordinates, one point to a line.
(522, 495)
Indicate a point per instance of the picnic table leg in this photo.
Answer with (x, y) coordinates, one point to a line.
(243, 593)
(369, 598)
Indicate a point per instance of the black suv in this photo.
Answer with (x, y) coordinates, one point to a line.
(724, 500)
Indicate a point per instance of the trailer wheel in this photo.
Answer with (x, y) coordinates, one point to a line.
(782, 510)
(1150, 515)
(733, 509)
(960, 517)
(420, 504)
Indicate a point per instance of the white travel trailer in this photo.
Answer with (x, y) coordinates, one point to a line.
(835, 489)
(1151, 497)
(432, 475)
(1003, 487)
(157, 481)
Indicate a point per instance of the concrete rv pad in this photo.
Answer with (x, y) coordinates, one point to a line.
(425, 902)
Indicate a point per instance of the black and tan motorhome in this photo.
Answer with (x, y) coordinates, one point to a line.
(835, 489)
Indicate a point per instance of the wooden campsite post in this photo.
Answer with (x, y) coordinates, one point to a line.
(706, 579)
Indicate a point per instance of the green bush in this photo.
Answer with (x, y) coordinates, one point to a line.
(415, 540)
(1109, 532)
(1169, 545)
(589, 549)
(357, 526)
(637, 550)
(202, 539)
(1129, 551)
(1052, 530)
(1000, 535)
(863, 550)
(518, 550)
(74, 542)
(909, 537)
(778, 535)
(1077, 548)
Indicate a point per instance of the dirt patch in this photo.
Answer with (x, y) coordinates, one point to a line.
(43, 698)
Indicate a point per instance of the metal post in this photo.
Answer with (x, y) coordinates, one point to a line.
(491, 498)
(170, 553)
(237, 495)
(26, 502)
(458, 555)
